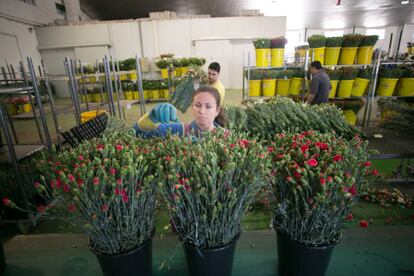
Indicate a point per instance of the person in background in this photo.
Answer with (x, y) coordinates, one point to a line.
(213, 80)
(320, 85)
(162, 119)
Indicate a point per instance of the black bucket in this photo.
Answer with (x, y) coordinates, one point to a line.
(135, 262)
(215, 261)
(298, 259)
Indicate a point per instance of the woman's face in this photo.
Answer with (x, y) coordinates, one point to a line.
(205, 110)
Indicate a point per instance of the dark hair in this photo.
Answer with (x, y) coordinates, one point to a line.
(221, 118)
(316, 64)
(214, 66)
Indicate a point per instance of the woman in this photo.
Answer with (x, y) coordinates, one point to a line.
(163, 118)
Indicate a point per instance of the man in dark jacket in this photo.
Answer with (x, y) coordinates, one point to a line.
(320, 85)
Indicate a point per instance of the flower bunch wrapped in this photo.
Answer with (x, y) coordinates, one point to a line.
(106, 187)
(210, 184)
(316, 178)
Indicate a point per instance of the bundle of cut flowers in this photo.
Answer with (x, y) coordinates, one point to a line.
(315, 179)
(105, 186)
(210, 183)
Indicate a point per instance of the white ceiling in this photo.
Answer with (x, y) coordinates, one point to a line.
(300, 13)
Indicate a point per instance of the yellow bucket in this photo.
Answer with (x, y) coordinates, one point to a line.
(317, 54)
(155, 94)
(164, 73)
(278, 55)
(177, 72)
(135, 95)
(254, 88)
(147, 94)
(184, 70)
(165, 93)
(27, 108)
(133, 75)
(92, 79)
(350, 117)
(347, 56)
(295, 87)
(269, 88)
(262, 57)
(302, 53)
(345, 88)
(332, 93)
(360, 85)
(97, 97)
(332, 55)
(365, 54)
(87, 115)
(406, 87)
(282, 87)
(129, 95)
(123, 77)
(386, 87)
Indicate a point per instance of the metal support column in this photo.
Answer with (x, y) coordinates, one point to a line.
(140, 88)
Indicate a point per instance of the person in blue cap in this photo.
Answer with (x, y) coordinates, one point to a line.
(162, 119)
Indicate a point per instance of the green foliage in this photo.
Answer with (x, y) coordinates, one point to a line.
(298, 73)
(197, 61)
(334, 41)
(317, 178)
(401, 116)
(317, 41)
(365, 73)
(127, 64)
(352, 40)
(255, 74)
(390, 72)
(209, 185)
(279, 114)
(349, 104)
(183, 94)
(407, 71)
(285, 74)
(262, 43)
(270, 74)
(163, 63)
(349, 73)
(107, 186)
(334, 74)
(185, 62)
(177, 62)
(278, 42)
(369, 40)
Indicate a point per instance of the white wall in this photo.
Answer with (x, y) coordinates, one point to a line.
(408, 36)
(17, 43)
(212, 38)
(43, 13)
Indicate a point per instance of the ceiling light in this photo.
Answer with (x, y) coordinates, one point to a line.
(405, 2)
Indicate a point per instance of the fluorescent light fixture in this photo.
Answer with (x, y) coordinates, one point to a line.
(405, 2)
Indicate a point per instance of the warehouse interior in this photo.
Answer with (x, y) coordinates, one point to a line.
(68, 67)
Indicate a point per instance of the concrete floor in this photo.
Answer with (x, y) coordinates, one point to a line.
(27, 132)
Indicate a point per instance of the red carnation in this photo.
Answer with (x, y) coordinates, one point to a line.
(80, 182)
(167, 158)
(71, 177)
(270, 149)
(232, 146)
(289, 178)
(337, 158)
(100, 147)
(104, 207)
(312, 162)
(66, 188)
(304, 148)
(7, 202)
(375, 172)
(112, 171)
(71, 207)
(119, 181)
(119, 147)
(367, 164)
(37, 185)
(125, 198)
(41, 208)
(96, 180)
(363, 223)
(353, 190)
(349, 217)
(244, 143)
(322, 181)
(80, 157)
(330, 179)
